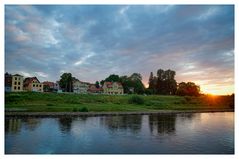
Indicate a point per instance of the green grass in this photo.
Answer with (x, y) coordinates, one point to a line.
(53, 102)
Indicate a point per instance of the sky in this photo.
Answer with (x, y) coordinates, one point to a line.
(94, 41)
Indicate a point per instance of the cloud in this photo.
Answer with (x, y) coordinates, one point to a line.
(93, 41)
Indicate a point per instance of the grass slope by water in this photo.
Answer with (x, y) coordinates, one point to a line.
(69, 102)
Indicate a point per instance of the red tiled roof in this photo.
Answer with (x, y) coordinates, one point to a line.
(29, 80)
(50, 84)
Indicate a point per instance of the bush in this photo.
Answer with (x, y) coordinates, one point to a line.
(49, 104)
(83, 109)
(74, 109)
(136, 100)
(187, 98)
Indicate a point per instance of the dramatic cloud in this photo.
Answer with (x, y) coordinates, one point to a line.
(92, 42)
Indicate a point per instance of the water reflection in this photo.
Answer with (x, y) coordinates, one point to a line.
(125, 122)
(31, 123)
(162, 123)
(65, 124)
(204, 133)
(13, 125)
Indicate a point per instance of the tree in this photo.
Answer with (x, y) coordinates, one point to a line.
(136, 76)
(152, 84)
(151, 81)
(97, 84)
(112, 78)
(132, 84)
(46, 88)
(189, 89)
(102, 82)
(66, 82)
(166, 84)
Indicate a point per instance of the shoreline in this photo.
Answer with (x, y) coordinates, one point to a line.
(92, 114)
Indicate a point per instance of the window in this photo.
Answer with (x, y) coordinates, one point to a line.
(37, 85)
(15, 83)
(15, 87)
(40, 85)
(18, 83)
(18, 88)
(15, 78)
(39, 89)
(33, 85)
(19, 78)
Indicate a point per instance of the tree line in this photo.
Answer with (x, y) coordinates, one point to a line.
(163, 83)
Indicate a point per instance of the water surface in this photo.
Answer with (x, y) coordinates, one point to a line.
(189, 133)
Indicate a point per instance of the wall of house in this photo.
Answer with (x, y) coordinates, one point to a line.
(17, 84)
(114, 90)
(79, 87)
(36, 87)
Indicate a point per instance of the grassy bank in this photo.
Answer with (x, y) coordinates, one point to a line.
(52, 102)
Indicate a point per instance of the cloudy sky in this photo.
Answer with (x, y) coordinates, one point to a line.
(93, 42)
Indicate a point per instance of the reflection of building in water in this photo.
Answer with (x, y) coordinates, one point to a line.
(131, 122)
(12, 125)
(65, 124)
(162, 123)
(31, 123)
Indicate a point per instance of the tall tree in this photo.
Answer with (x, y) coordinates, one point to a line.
(66, 82)
(166, 84)
(151, 81)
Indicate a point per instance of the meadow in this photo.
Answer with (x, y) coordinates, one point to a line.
(70, 102)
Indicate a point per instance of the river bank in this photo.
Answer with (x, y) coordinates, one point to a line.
(54, 102)
(75, 114)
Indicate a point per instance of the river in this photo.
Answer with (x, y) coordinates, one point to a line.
(188, 133)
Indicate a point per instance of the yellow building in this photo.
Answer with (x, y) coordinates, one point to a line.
(113, 88)
(33, 84)
(17, 83)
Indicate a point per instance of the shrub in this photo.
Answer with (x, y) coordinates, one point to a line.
(83, 109)
(74, 109)
(49, 104)
(187, 98)
(136, 100)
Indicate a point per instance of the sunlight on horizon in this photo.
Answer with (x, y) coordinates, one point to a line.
(211, 89)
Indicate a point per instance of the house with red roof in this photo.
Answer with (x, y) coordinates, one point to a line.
(50, 86)
(80, 87)
(113, 88)
(32, 84)
(94, 89)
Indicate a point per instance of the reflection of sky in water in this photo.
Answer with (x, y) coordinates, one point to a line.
(181, 133)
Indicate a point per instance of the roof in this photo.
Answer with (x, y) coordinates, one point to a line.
(18, 75)
(47, 83)
(110, 84)
(92, 88)
(29, 80)
(81, 82)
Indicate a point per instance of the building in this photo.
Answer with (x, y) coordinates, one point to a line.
(8, 82)
(17, 83)
(113, 88)
(58, 87)
(94, 89)
(50, 86)
(33, 84)
(80, 87)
